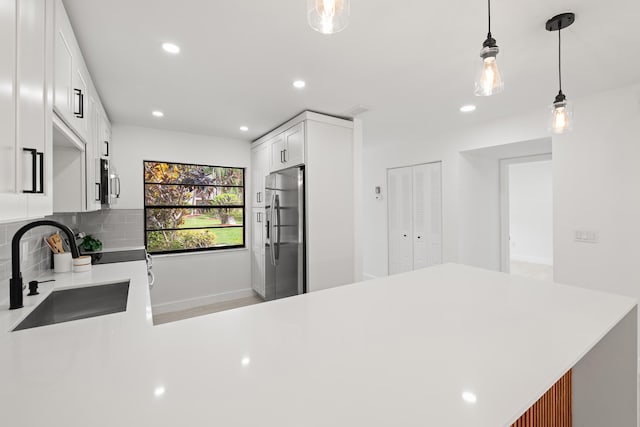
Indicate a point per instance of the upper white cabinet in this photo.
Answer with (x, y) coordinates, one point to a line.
(77, 105)
(72, 81)
(415, 217)
(259, 169)
(287, 148)
(104, 136)
(25, 109)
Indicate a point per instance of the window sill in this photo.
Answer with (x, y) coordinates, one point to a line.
(198, 253)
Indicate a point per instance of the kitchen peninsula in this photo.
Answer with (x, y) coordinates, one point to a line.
(444, 346)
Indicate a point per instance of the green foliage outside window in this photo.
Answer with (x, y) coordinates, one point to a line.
(193, 207)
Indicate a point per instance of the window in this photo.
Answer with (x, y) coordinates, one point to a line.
(192, 207)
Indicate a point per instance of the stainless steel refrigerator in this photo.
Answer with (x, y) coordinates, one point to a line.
(285, 234)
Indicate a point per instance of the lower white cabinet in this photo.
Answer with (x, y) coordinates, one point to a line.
(257, 252)
(415, 217)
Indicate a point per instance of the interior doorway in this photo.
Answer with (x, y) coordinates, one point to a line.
(527, 216)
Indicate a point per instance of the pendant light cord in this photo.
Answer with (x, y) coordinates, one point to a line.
(489, 14)
(560, 58)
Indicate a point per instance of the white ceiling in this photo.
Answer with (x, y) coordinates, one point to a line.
(412, 62)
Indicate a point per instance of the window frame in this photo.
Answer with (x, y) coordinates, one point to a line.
(195, 250)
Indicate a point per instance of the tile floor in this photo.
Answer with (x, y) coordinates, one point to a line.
(159, 319)
(533, 271)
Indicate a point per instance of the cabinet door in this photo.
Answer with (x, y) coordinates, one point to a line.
(32, 131)
(81, 111)
(400, 201)
(13, 203)
(427, 215)
(257, 252)
(294, 145)
(93, 159)
(277, 152)
(63, 73)
(259, 169)
(104, 138)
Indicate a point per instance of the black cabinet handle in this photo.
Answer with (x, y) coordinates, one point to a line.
(80, 113)
(106, 143)
(41, 164)
(281, 158)
(258, 217)
(37, 163)
(98, 192)
(285, 155)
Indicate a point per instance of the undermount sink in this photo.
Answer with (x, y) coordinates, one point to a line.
(78, 303)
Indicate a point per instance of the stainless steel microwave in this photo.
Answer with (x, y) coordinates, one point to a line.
(109, 184)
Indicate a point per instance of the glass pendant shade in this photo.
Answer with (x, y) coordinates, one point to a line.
(328, 16)
(489, 80)
(561, 117)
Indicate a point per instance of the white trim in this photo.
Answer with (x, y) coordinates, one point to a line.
(307, 115)
(532, 259)
(367, 276)
(195, 253)
(505, 248)
(169, 307)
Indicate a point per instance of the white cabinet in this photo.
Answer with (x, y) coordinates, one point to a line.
(80, 120)
(25, 134)
(325, 147)
(71, 78)
(415, 217)
(104, 136)
(257, 252)
(92, 159)
(287, 148)
(259, 169)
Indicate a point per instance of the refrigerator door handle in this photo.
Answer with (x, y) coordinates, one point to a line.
(277, 227)
(270, 229)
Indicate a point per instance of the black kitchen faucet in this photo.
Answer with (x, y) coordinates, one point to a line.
(15, 283)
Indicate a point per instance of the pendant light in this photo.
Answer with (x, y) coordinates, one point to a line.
(328, 16)
(561, 111)
(489, 81)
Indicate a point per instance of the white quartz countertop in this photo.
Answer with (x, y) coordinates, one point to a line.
(397, 351)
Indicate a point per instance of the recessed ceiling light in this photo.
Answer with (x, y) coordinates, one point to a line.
(158, 114)
(171, 48)
(467, 108)
(299, 84)
(244, 128)
(469, 397)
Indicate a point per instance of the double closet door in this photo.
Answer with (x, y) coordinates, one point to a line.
(415, 217)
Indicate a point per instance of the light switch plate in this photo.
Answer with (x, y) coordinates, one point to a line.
(587, 236)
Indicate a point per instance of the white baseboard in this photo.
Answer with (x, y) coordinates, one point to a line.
(367, 276)
(186, 304)
(532, 259)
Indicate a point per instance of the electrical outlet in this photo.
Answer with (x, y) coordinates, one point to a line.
(24, 250)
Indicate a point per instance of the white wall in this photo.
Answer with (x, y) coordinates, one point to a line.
(184, 280)
(596, 186)
(531, 212)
